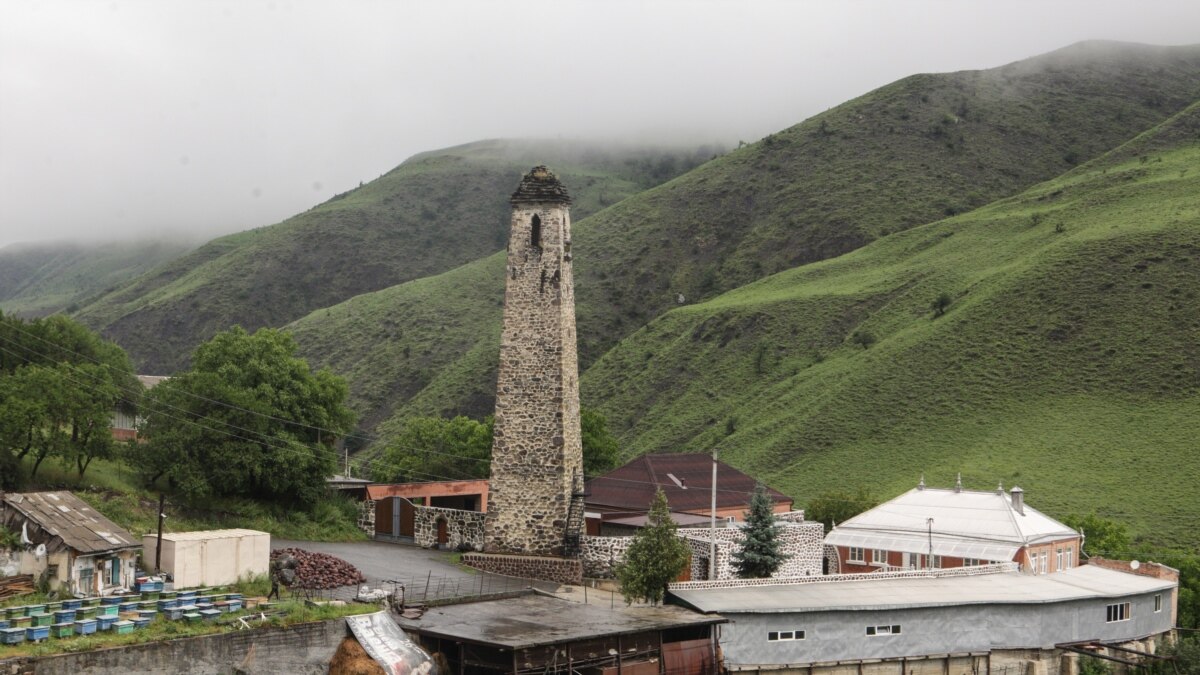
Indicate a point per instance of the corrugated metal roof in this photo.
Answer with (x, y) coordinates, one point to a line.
(79, 526)
(983, 522)
(686, 479)
(1007, 588)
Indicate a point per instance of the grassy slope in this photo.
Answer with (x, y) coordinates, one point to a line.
(1069, 362)
(41, 279)
(436, 211)
(898, 156)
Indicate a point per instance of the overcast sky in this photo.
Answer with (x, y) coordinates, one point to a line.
(128, 118)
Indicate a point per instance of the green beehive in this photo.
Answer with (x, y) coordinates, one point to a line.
(41, 619)
(123, 627)
(62, 630)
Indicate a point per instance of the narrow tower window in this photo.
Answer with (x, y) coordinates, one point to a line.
(535, 231)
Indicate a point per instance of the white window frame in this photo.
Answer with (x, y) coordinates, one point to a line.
(1121, 611)
(860, 551)
(935, 562)
(1044, 561)
(1058, 560)
(881, 631)
(1070, 557)
(879, 556)
(784, 635)
(1157, 603)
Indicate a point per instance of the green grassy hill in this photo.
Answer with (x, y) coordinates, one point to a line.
(41, 279)
(905, 154)
(432, 213)
(1067, 363)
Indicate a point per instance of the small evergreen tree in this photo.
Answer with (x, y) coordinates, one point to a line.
(655, 558)
(759, 555)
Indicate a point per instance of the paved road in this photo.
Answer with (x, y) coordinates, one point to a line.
(423, 572)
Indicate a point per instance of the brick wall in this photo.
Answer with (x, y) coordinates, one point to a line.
(559, 570)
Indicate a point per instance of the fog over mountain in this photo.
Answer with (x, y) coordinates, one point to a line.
(129, 118)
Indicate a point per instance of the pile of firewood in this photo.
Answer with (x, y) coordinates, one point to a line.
(317, 571)
(18, 585)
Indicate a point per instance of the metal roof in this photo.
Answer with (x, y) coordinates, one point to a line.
(535, 620)
(69, 518)
(1006, 588)
(686, 479)
(206, 535)
(966, 524)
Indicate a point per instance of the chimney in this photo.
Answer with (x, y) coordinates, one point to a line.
(921, 485)
(1018, 500)
(1000, 488)
(958, 483)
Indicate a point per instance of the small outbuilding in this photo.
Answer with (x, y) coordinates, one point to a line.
(210, 558)
(70, 542)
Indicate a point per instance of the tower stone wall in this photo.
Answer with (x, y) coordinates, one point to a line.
(537, 456)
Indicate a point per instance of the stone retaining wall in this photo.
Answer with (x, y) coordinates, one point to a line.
(366, 516)
(559, 570)
(302, 648)
(464, 528)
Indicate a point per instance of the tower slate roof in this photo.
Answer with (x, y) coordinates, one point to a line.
(540, 185)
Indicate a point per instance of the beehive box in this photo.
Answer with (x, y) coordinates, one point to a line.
(37, 633)
(41, 619)
(85, 626)
(105, 622)
(123, 627)
(12, 636)
(62, 630)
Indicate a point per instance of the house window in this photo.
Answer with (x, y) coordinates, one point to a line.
(785, 635)
(879, 556)
(873, 631)
(1058, 560)
(115, 567)
(1070, 556)
(935, 562)
(86, 580)
(1045, 561)
(971, 562)
(1119, 612)
(857, 554)
(1158, 602)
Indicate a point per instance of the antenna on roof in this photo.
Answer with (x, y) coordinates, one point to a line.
(958, 483)
(921, 485)
(1000, 488)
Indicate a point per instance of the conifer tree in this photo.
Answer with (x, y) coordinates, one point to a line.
(655, 558)
(759, 555)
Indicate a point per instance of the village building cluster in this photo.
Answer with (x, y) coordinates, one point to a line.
(936, 580)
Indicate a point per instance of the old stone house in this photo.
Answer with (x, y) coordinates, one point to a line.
(77, 549)
(946, 528)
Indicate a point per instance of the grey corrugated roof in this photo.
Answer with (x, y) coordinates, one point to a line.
(967, 523)
(1006, 588)
(79, 526)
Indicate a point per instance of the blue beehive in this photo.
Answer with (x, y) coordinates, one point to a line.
(210, 614)
(85, 626)
(3, 624)
(164, 605)
(141, 623)
(129, 606)
(105, 622)
(114, 600)
(173, 613)
(72, 604)
(64, 616)
(37, 633)
(147, 614)
(12, 636)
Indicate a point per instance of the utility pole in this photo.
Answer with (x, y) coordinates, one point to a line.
(162, 502)
(712, 532)
(929, 560)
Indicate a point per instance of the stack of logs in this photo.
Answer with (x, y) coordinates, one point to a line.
(18, 585)
(320, 571)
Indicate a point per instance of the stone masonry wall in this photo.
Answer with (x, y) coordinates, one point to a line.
(802, 541)
(464, 529)
(366, 516)
(537, 456)
(303, 648)
(560, 570)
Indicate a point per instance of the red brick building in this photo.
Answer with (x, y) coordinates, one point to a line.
(942, 528)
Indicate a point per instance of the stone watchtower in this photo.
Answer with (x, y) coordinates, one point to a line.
(535, 505)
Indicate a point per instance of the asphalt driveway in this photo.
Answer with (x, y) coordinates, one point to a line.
(424, 573)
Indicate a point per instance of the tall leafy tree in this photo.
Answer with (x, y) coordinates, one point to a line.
(760, 553)
(838, 506)
(433, 448)
(655, 557)
(249, 418)
(600, 450)
(59, 385)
